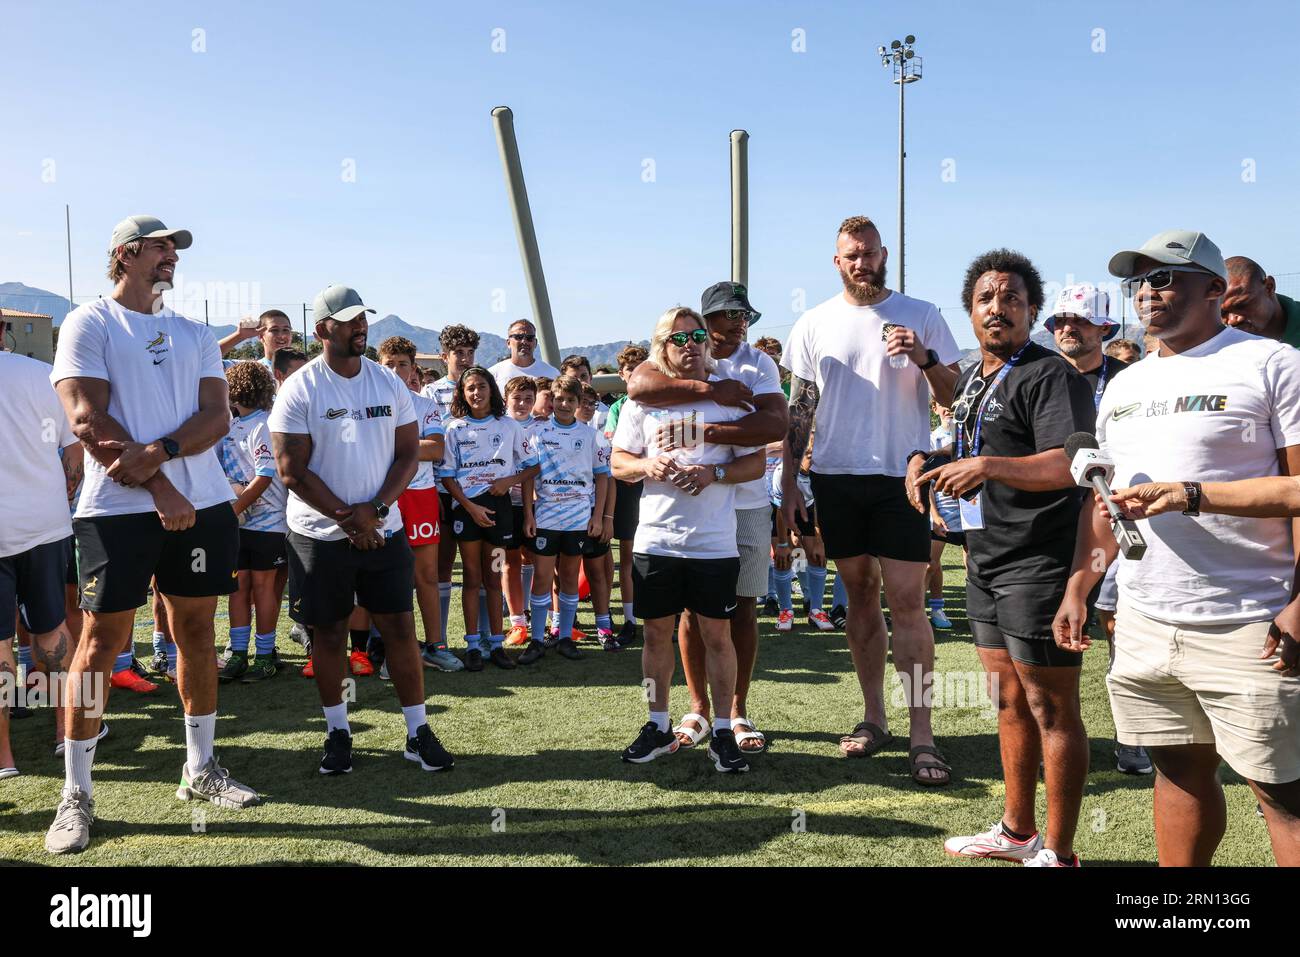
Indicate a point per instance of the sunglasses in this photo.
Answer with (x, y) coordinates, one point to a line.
(962, 408)
(1161, 278)
(734, 315)
(697, 336)
(522, 337)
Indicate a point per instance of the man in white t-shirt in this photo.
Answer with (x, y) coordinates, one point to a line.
(347, 445)
(864, 365)
(685, 556)
(144, 390)
(1203, 612)
(522, 338)
(36, 535)
(726, 309)
(272, 328)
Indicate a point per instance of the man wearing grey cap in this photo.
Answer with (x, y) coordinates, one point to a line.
(1194, 679)
(144, 390)
(347, 445)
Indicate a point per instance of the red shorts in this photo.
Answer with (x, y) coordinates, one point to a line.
(419, 508)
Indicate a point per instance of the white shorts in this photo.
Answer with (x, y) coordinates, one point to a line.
(754, 542)
(1174, 684)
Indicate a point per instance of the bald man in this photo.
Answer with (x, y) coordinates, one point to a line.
(1253, 304)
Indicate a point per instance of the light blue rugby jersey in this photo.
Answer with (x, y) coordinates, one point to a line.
(571, 457)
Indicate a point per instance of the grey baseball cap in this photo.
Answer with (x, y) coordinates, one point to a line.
(340, 303)
(147, 227)
(1174, 247)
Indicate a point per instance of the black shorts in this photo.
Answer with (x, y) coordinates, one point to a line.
(518, 512)
(445, 505)
(595, 548)
(952, 538)
(870, 515)
(1018, 616)
(117, 555)
(32, 581)
(627, 509)
(664, 585)
(807, 529)
(550, 543)
(260, 551)
(70, 576)
(501, 534)
(326, 578)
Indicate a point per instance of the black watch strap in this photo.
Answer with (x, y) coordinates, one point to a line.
(1193, 490)
(934, 360)
(380, 508)
(170, 446)
(914, 453)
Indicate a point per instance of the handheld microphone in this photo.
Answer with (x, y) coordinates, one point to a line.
(1091, 469)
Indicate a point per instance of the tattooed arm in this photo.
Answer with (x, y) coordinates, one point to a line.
(804, 397)
(74, 468)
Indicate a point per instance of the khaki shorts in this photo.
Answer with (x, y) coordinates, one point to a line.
(1171, 684)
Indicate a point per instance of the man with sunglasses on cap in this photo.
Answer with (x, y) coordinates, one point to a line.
(145, 392)
(1200, 614)
(522, 338)
(728, 315)
(1080, 322)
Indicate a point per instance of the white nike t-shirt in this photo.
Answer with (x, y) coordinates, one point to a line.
(673, 522)
(352, 424)
(1216, 413)
(755, 369)
(870, 414)
(33, 429)
(153, 364)
(505, 370)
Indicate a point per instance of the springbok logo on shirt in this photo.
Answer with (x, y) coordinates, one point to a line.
(158, 348)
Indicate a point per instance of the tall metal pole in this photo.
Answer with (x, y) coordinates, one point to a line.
(504, 123)
(902, 85)
(67, 223)
(740, 207)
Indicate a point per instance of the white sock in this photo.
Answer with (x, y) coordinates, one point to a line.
(336, 716)
(78, 756)
(518, 620)
(660, 718)
(415, 719)
(721, 724)
(627, 612)
(200, 729)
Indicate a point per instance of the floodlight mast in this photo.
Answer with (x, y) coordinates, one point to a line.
(906, 69)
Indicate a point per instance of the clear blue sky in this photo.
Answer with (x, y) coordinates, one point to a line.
(1065, 153)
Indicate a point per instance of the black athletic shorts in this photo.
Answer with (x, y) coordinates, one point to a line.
(260, 551)
(664, 585)
(952, 538)
(627, 509)
(33, 582)
(70, 576)
(502, 534)
(550, 543)
(595, 548)
(518, 512)
(1018, 616)
(870, 515)
(445, 504)
(326, 578)
(807, 529)
(117, 555)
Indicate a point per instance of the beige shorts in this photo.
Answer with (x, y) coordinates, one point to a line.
(1171, 684)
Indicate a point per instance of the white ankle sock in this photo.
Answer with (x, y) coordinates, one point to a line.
(200, 729)
(78, 756)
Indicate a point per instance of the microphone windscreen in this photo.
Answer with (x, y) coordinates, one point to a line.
(1079, 440)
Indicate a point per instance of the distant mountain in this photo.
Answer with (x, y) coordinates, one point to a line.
(15, 295)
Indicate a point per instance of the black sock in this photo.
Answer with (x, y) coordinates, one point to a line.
(360, 638)
(1013, 835)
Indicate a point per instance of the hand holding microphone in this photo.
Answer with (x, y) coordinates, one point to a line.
(1091, 469)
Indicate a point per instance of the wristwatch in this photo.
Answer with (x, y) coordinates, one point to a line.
(1193, 490)
(380, 508)
(719, 473)
(934, 360)
(170, 446)
(913, 454)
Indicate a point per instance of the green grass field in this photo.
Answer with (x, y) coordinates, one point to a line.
(538, 779)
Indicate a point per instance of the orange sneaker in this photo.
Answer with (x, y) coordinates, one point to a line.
(361, 666)
(307, 670)
(128, 680)
(518, 635)
(579, 635)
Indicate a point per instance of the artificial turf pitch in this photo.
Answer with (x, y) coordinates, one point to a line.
(538, 778)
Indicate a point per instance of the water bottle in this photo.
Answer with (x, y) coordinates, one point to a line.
(901, 360)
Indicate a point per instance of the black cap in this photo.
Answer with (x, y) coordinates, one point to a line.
(722, 296)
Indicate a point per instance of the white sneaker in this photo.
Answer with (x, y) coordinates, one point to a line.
(785, 620)
(819, 620)
(995, 843)
(1048, 858)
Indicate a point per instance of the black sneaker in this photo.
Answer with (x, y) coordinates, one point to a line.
(474, 660)
(770, 607)
(568, 649)
(839, 617)
(428, 750)
(533, 652)
(338, 753)
(726, 754)
(140, 668)
(499, 658)
(627, 634)
(650, 743)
